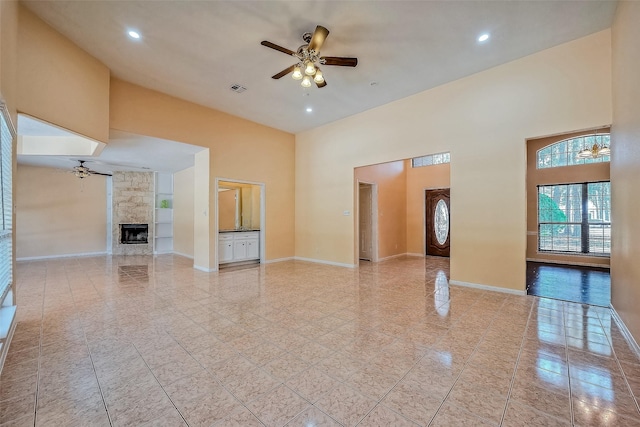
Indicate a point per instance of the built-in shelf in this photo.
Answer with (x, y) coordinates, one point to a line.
(163, 221)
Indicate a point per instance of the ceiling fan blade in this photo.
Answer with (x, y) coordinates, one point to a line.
(320, 85)
(278, 48)
(283, 72)
(336, 60)
(319, 35)
(99, 173)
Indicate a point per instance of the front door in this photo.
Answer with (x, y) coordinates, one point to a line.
(437, 222)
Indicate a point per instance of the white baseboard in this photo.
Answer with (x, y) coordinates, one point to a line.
(415, 254)
(387, 258)
(625, 332)
(322, 261)
(582, 264)
(181, 254)
(271, 261)
(487, 287)
(206, 270)
(80, 255)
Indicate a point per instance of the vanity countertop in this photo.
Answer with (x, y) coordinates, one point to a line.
(238, 230)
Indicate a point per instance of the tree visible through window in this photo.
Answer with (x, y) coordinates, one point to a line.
(565, 152)
(575, 218)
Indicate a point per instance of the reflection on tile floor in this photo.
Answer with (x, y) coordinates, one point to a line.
(151, 341)
(587, 285)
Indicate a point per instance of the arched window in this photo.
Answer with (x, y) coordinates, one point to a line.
(565, 152)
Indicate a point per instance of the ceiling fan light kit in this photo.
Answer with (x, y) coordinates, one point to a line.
(309, 59)
(81, 171)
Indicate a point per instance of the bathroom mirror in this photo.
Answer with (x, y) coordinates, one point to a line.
(238, 206)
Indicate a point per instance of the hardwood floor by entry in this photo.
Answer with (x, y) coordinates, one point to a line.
(587, 285)
(149, 341)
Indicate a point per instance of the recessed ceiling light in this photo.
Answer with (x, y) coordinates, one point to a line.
(309, 109)
(134, 34)
(483, 38)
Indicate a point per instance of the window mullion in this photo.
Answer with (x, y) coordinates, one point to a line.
(585, 218)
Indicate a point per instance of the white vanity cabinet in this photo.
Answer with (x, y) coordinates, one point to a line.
(225, 247)
(237, 246)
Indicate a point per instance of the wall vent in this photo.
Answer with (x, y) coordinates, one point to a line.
(238, 88)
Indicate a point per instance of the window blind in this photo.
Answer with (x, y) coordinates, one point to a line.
(6, 175)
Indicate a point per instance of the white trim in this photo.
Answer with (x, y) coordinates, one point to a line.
(583, 264)
(322, 261)
(272, 261)
(80, 255)
(206, 270)
(625, 332)
(387, 258)
(487, 287)
(415, 254)
(7, 342)
(181, 254)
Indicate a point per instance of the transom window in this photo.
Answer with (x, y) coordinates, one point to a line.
(575, 218)
(565, 152)
(431, 159)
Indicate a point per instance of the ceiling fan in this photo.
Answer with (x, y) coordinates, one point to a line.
(308, 56)
(81, 171)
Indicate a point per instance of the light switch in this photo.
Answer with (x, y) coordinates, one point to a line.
(346, 213)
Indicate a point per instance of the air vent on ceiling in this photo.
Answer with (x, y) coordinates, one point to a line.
(238, 88)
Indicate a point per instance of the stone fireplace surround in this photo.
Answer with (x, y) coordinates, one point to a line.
(132, 203)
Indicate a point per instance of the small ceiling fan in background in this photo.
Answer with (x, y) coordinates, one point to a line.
(81, 171)
(309, 59)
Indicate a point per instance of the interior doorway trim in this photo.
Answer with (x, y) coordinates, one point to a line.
(263, 221)
(374, 221)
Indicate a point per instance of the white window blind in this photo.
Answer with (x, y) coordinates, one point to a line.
(6, 165)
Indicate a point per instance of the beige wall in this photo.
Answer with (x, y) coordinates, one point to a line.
(561, 175)
(58, 213)
(483, 120)
(418, 180)
(8, 54)
(625, 167)
(391, 180)
(59, 82)
(203, 221)
(239, 150)
(183, 211)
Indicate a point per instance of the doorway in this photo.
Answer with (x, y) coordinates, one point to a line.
(437, 223)
(367, 208)
(240, 219)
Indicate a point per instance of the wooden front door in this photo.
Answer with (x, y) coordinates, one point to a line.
(438, 222)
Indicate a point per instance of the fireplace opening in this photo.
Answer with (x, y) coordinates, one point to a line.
(134, 234)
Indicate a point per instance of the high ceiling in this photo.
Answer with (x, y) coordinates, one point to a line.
(196, 50)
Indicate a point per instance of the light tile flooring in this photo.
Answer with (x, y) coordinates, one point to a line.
(151, 341)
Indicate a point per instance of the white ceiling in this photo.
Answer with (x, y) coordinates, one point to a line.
(125, 151)
(196, 50)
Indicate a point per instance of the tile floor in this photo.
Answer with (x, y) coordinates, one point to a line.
(151, 341)
(588, 285)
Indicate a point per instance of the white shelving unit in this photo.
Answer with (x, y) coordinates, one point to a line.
(163, 221)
